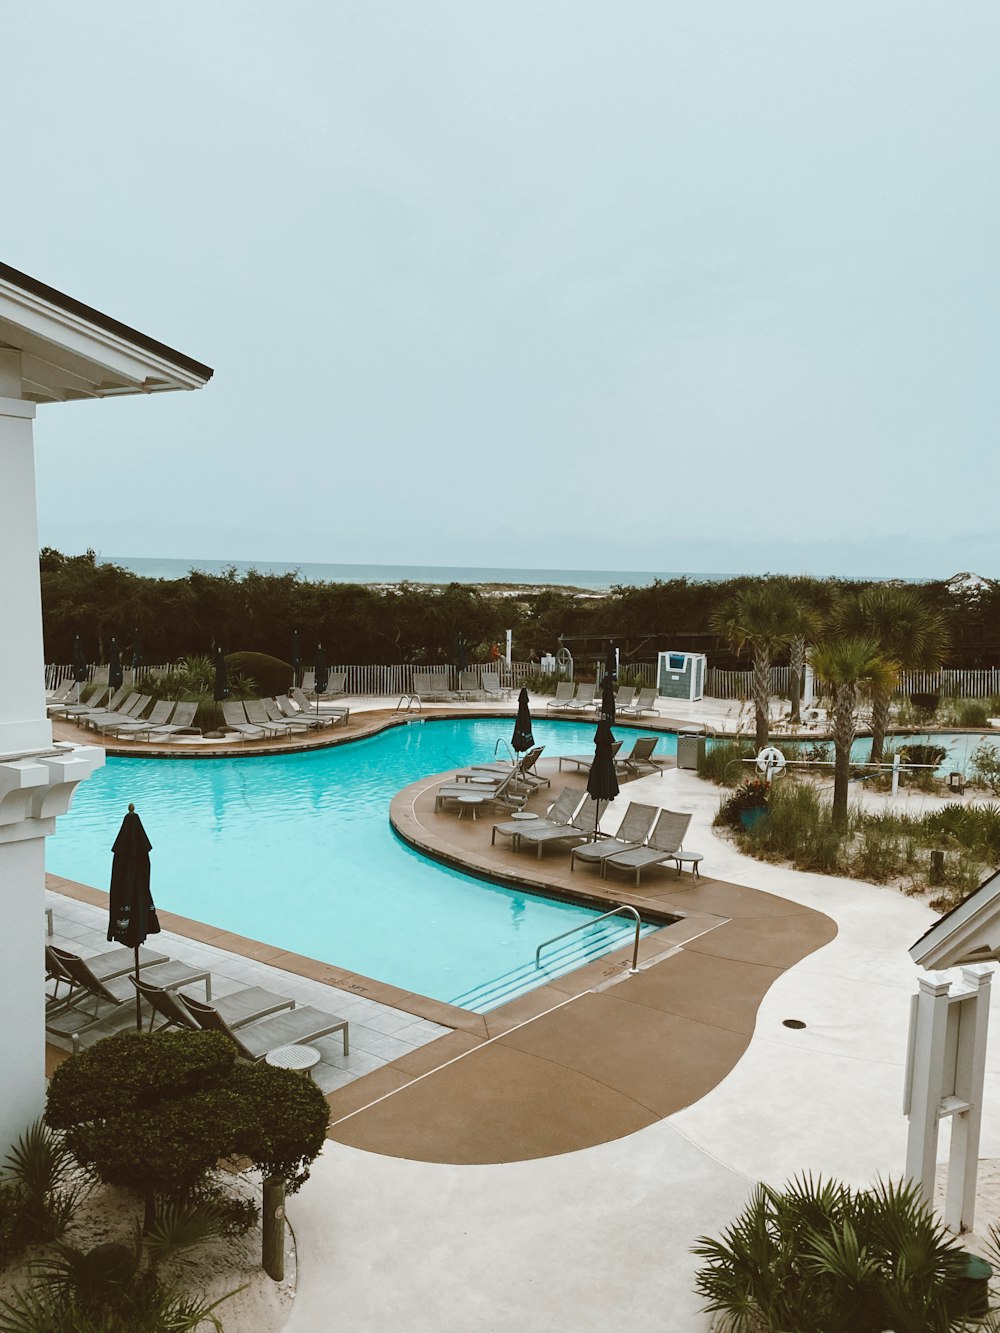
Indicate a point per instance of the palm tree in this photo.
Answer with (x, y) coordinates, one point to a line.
(762, 616)
(844, 666)
(908, 632)
(807, 625)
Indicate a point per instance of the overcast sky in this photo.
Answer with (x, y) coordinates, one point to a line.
(699, 286)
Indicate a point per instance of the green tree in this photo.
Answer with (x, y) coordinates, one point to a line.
(764, 616)
(845, 665)
(908, 632)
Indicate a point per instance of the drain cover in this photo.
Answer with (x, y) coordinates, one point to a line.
(792, 1023)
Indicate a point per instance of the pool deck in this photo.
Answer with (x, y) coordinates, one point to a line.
(458, 1198)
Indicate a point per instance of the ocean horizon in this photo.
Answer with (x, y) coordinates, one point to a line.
(587, 580)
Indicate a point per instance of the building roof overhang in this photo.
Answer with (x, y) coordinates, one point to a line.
(70, 351)
(969, 933)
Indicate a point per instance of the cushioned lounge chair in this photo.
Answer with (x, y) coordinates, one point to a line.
(242, 1006)
(254, 1040)
(645, 703)
(584, 760)
(632, 833)
(665, 841)
(559, 815)
(640, 758)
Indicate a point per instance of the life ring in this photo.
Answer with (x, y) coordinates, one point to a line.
(770, 761)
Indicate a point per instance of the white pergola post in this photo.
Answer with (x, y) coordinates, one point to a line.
(52, 349)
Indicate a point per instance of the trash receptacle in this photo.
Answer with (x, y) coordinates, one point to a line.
(976, 1279)
(690, 749)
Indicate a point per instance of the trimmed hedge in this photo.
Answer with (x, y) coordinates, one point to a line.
(270, 675)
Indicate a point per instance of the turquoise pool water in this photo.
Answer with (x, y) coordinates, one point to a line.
(296, 850)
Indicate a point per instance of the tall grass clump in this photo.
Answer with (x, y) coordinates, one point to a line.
(799, 828)
(722, 762)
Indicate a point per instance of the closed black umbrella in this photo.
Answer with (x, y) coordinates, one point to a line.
(296, 660)
(115, 673)
(608, 699)
(522, 739)
(132, 914)
(80, 670)
(602, 780)
(138, 661)
(461, 655)
(611, 662)
(221, 690)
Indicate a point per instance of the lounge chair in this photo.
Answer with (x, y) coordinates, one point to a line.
(297, 726)
(65, 697)
(110, 963)
(236, 720)
(665, 841)
(468, 684)
(62, 693)
(537, 834)
(159, 716)
(421, 683)
(632, 833)
(562, 698)
(183, 720)
(95, 699)
(583, 700)
(336, 682)
(338, 712)
(123, 712)
(310, 721)
(242, 1006)
(492, 687)
(584, 760)
(645, 703)
(526, 766)
(504, 793)
(257, 717)
(254, 1040)
(130, 712)
(640, 758)
(559, 815)
(438, 687)
(72, 1018)
(625, 697)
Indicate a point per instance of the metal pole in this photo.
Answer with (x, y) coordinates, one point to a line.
(895, 774)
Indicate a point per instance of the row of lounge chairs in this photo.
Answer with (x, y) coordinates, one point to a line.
(259, 719)
(502, 785)
(255, 1020)
(434, 686)
(639, 760)
(647, 835)
(583, 698)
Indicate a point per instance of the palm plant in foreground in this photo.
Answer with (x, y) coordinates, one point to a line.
(765, 617)
(908, 632)
(845, 666)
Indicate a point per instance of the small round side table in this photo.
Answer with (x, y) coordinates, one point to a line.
(299, 1059)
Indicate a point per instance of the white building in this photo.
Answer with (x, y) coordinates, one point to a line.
(52, 349)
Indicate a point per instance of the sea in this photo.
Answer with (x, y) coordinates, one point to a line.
(587, 580)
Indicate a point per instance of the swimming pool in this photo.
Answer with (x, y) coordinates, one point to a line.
(296, 850)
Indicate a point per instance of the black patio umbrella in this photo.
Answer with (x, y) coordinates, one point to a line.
(322, 674)
(138, 661)
(80, 669)
(296, 660)
(611, 662)
(461, 654)
(221, 690)
(602, 780)
(132, 915)
(522, 739)
(608, 699)
(115, 673)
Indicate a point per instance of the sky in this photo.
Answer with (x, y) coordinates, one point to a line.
(706, 286)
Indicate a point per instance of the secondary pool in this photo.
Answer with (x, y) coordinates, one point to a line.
(296, 850)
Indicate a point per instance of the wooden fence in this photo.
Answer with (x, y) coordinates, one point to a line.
(983, 683)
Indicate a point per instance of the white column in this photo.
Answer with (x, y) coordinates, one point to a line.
(925, 1075)
(37, 780)
(23, 724)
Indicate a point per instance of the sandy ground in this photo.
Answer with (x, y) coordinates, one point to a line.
(208, 1272)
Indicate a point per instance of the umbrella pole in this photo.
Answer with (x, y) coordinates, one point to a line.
(138, 997)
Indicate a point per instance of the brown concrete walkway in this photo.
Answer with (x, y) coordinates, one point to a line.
(598, 1064)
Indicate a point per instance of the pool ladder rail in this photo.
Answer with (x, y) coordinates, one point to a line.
(409, 703)
(615, 911)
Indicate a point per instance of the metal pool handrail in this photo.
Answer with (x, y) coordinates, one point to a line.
(584, 925)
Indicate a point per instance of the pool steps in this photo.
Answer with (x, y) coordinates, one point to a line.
(556, 961)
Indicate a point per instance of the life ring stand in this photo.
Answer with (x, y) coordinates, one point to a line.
(771, 762)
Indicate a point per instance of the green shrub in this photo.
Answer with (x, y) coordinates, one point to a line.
(270, 675)
(971, 713)
(722, 762)
(155, 1113)
(749, 795)
(918, 753)
(799, 829)
(42, 1192)
(925, 705)
(984, 766)
(821, 1256)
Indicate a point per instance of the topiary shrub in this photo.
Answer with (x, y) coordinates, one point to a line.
(270, 675)
(155, 1113)
(925, 705)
